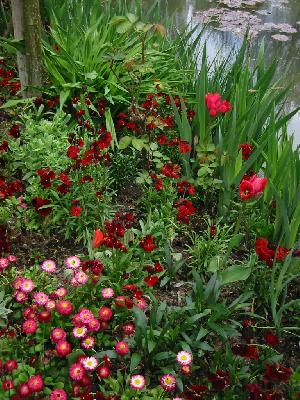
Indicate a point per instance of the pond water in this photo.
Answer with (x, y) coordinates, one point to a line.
(277, 21)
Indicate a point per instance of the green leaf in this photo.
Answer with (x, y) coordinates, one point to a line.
(125, 142)
(14, 103)
(235, 240)
(138, 144)
(111, 127)
(235, 274)
(135, 360)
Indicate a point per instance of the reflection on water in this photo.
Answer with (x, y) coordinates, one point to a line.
(271, 11)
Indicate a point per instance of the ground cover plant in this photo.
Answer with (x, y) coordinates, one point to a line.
(174, 204)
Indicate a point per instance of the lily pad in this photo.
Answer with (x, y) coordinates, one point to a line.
(280, 38)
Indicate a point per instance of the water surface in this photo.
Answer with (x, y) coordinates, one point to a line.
(282, 42)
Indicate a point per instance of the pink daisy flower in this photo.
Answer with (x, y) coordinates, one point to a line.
(90, 363)
(107, 293)
(4, 263)
(137, 382)
(40, 298)
(17, 282)
(50, 305)
(20, 297)
(76, 372)
(168, 382)
(29, 326)
(184, 358)
(12, 258)
(27, 285)
(49, 266)
(94, 325)
(61, 292)
(141, 303)
(86, 315)
(105, 314)
(73, 262)
(64, 307)
(88, 343)
(122, 348)
(79, 332)
(81, 277)
(58, 334)
(58, 394)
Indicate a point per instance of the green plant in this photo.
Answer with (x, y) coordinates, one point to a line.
(281, 278)
(206, 249)
(283, 191)
(4, 311)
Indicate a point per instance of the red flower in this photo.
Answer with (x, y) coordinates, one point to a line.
(159, 184)
(277, 373)
(151, 280)
(184, 147)
(161, 139)
(73, 152)
(185, 209)
(271, 339)
(252, 187)
(15, 131)
(4, 146)
(267, 254)
(246, 351)
(38, 203)
(171, 170)
(148, 243)
(158, 267)
(246, 150)
(98, 239)
(46, 175)
(216, 105)
(80, 113)
(75, 211)
(213, 231)
(220, 380)
(185, 187)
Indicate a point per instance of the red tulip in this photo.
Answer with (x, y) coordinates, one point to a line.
(252, 187)
(98, 239)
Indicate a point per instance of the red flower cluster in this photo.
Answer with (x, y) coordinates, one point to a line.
(258, 392)
(8, 81)
(252, 187)
(38, 203)
(73, 152)
(185, 209)
(278, 373)
(151, 280)
(216, 105)
(15, 131)
(171, 170)
(158, 182)
(246, 351)
(148, 243)
(4, 146)
(219, 380)
(267, 254)
(75, 211)
(46, 175)
(195, 392)
(9, 189)
(184, 187)
(65, 183)
(184, 147)
(116, 229)
(95, 267)
(246, 150)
